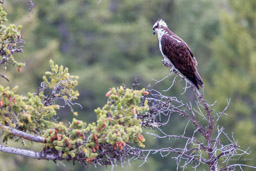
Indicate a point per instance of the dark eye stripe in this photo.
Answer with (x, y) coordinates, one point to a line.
(156, 26)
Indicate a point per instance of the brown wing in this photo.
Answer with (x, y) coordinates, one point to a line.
(181, 57)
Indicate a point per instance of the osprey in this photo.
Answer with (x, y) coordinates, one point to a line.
(177, 53)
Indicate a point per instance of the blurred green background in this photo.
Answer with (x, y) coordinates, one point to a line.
(111, 43)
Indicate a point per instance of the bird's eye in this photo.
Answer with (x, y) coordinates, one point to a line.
(155, 26)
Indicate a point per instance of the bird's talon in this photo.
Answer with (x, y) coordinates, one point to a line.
(165, 63)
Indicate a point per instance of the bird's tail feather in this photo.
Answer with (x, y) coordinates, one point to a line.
(199, 81)
(196, 80)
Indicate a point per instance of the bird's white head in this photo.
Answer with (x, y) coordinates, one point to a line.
(158, 25)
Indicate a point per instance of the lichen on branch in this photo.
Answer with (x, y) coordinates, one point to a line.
(60, 82)
(34, 112)
(10, 42)
(117, 125)
(119, 121)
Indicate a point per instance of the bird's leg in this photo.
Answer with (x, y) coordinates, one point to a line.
(166, 63)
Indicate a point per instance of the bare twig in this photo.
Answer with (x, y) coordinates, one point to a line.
(4, 77)
(193, 149)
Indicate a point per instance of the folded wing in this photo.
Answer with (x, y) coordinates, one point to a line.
(178, 52)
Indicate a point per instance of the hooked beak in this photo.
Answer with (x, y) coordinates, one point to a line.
(154, 32)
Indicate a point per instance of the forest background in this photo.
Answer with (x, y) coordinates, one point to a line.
(110, 43)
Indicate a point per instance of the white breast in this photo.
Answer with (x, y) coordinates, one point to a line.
(160, 34)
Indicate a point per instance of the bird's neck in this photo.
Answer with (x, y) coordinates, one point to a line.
(165, 30)
(160, 33)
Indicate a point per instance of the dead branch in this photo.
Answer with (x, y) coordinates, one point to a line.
(161, 105)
